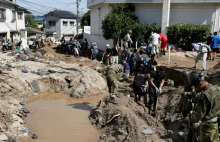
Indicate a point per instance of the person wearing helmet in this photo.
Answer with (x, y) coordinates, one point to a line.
(187, 86)
(203, 51)
(206, 108)
(185, 104)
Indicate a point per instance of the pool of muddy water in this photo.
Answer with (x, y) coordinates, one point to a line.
(57, 117)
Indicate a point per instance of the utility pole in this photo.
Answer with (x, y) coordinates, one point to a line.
(77, 19)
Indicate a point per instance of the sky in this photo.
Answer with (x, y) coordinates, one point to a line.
(41, 7)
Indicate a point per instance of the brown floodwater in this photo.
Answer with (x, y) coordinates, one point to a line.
(57, 117)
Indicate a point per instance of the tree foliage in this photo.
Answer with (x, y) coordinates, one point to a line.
(119, 21)
(185, 34)
(30, 21)
(122, 19)
(85, 20)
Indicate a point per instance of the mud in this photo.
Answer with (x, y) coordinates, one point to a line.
(57, 117)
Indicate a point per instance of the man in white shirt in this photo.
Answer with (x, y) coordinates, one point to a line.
(155, 42)
(202, 50)
(128, 39)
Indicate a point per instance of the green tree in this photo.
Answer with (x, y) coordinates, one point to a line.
(119, 21)
(30, 21)
(85, 20)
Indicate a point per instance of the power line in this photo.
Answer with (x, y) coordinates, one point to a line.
(39, 4)
(33, 6)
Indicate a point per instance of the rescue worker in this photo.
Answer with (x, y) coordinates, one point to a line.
(156, 83)
(140, 85)
(206, 109)
(203, 51)
(112, 75)
(109, 54)
(185, 104)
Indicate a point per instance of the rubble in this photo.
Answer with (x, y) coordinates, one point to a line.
(125, 121)
(213, 75)
(85, 83)
(11, 119)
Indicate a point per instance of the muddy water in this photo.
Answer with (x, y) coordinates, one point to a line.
(57, 117)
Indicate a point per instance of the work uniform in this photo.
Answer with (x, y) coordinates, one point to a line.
(153, 95)
(140, 87)
(202, 50)
(206, 110)
(112, 74)
(185, 104)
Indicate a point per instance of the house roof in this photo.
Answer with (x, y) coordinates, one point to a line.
(62, 14)
(17, 6)
(34, 31)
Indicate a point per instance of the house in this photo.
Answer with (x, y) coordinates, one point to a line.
(60, 23)
(40, 21)
(161, 12)
(12, 21)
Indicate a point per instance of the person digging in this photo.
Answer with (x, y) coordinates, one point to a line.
(140, 86)
(156, 83)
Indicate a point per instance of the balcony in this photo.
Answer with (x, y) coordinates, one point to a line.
(91, 3)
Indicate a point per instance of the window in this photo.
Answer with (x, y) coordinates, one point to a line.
(2, 14)
(65, 23)
(13, 15)
(20, 15)
(52, 23)
(71, 23)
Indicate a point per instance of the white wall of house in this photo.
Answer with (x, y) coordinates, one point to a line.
(98, 14)
(60, 29)
(7, 25)
(149, 13)
(49, 28)
(159, 12)
(68, 29)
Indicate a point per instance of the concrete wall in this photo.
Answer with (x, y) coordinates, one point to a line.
(98, 14)
(101, 42)
(149, 13)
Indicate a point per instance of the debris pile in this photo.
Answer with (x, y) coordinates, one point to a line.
(12, 114)
(11, 85)
(213, 75)
(121, 119)
(85, 83)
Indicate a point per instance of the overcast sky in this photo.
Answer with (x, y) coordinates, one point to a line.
(36, 6)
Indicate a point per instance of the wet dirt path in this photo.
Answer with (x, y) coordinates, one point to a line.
(57, 117)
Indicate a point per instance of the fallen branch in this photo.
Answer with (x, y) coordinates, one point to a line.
(113, 118)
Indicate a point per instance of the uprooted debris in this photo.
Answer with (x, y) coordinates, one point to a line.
(121, 119)
(12, 114)
(213, 75)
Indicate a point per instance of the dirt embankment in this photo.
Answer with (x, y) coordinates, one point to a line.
(213, 75)
(121, 119)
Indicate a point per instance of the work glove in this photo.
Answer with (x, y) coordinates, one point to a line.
(157, 90)
(160, 90)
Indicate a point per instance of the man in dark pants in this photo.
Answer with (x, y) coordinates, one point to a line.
(156, 83)
(140, 85)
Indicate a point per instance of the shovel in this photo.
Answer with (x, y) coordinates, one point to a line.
(102, 58)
